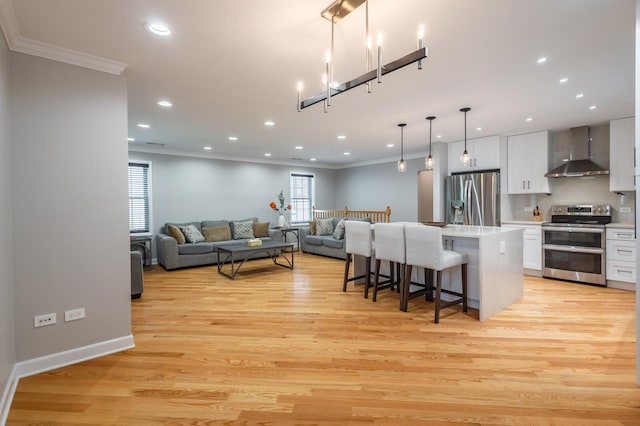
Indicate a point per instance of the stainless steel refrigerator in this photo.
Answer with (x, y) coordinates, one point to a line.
(473, 198)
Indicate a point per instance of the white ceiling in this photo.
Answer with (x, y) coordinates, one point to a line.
(231, 65)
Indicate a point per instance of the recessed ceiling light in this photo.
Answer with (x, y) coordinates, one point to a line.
(299, 147)
(542, 60)
(592, 107)
(439, 136)
(342, 137)
(233, 138)
(165, 104)
(579, 95)
(131, 139)
(347, 153)
(528, 119)
(312, 159)
(143, 126)
(267, 154)
(158, 28)
(478, 128)
(564, 80)
(390, 145)
(207, 148)
(269, 123)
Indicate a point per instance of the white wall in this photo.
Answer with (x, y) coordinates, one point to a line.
(637, 180)
(70, 204)
(199, 188)
(7, 339)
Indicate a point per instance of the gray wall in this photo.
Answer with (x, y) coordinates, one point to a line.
(7, 339)
(70, 204)
(199, 188)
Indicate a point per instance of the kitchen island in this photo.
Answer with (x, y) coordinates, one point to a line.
(494, 271)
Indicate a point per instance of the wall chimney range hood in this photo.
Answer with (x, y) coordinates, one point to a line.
(579, 168)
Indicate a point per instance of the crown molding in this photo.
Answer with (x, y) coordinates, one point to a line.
(18, 43)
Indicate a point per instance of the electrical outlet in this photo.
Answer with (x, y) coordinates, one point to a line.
(42, 320)
(528, 209)
(73, 314)
(625, 209)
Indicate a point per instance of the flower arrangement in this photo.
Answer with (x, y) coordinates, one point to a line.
(281, 209)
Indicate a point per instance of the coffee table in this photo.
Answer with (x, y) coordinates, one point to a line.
(273, 249)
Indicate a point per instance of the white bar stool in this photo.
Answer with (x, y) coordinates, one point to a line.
(390, 246)
(358, 241)
(424, 249)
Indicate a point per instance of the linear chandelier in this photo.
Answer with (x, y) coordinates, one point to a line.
(335, 12)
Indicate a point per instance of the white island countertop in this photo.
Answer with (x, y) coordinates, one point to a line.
(473, 231)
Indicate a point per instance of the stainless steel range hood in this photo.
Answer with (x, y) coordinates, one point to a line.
(578, 168)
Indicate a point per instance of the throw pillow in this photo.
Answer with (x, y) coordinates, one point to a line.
(261, 229)
(324, 226)
(192, 234)
(338, 233)
(312, 228)
(217, 233)
(243, 230)
(176, 233)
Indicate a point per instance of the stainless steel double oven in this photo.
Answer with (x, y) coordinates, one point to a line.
(574, 243)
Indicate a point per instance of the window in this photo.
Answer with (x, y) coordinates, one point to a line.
(301, 197)
(139, 197)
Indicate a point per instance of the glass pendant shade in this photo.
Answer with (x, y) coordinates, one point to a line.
(428, 162)
(465, 154)
(402, 165)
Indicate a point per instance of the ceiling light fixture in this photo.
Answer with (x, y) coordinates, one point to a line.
(347, 153)
(165, 104)
(131, 139)
(542, 60)
(465, 154)
(233, 138)
(143, 126)
(312, 159)
(158, 28)
(402, 165)
(299, 147)
(267, 154)
(479, 129)
(429, 160)
(564, 80)
(207, 148)
(592, 107)
(342, 137)
(528, 119)
(390, 145)
(335, 12)
(580, 95)
(269, 123)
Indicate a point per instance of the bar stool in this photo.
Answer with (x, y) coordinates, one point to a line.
(424, 249)
(358, 241)
(389, 238)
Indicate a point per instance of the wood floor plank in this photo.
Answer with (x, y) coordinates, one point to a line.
(277, 347)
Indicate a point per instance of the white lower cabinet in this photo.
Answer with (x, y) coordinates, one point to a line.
(531, 247)
(621, 258)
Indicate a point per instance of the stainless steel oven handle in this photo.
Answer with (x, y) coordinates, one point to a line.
(573, 249)
(569, 229)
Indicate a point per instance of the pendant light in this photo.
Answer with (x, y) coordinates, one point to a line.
(402, 165)
(429, 160)
(465, 154)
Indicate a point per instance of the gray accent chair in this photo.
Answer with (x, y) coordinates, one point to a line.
(137, 276)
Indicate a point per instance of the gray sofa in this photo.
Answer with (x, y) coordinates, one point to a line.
(324, 245)
(172, 255)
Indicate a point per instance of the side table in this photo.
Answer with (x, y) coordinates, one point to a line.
(142, 244)
(293, 230)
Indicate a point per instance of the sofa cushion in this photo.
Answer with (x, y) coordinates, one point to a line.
(251, 219)
(212, 223)
(332, 242)
(242, 230)
(313, 240)
(176, 233)
(197, 248)
(192, 234)
(312, 228)
(261, 229)
(216, 233)
(324, 226)
(338, 233)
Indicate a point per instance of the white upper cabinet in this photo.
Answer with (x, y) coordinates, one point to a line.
(527, 163)
(622, 154)
(484, 154)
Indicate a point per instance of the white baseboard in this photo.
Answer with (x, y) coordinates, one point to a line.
(57, 360)
(7, 395)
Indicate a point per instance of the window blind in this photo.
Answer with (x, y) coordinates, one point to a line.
(301, 197)
(138, 197)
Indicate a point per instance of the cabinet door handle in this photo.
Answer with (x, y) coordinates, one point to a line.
(626, 235)
(624, 251)
(528, 184)
(623, 272)
(523, 185)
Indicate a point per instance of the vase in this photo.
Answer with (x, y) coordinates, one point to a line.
(281, 221)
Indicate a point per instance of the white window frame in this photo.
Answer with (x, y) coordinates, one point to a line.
(149, 195)
(313, 194)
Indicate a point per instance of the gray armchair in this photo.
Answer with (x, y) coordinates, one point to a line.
(137, 278)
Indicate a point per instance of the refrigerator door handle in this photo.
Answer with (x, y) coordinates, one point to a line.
(467, 202)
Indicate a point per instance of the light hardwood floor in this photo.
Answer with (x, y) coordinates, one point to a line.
(277, 347)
